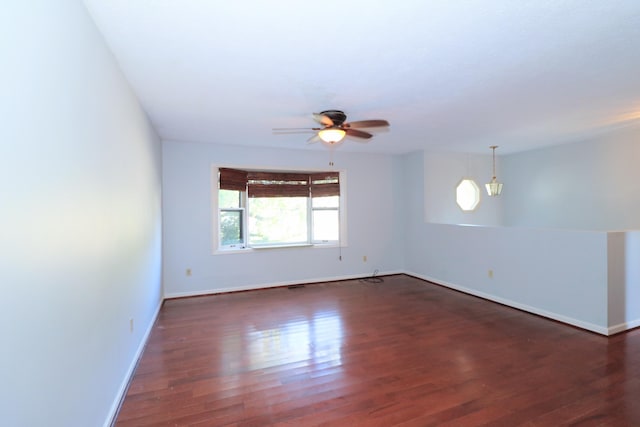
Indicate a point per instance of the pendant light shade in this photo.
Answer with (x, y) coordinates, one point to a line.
(494, 188)
(331, 135)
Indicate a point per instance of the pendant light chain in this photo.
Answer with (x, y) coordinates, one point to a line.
(493, 147)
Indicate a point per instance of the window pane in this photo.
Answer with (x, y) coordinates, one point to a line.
(231, 227)
(326, 202)
(467, 195)
(325, 225)
(229, 199)
(277, 220)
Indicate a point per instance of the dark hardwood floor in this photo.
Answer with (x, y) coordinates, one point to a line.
(400, 353)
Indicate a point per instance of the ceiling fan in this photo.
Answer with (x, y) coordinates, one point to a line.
(335, 128)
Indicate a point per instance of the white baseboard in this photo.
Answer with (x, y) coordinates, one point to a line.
(115, 406)
(524, 307)
(625, 326)
(273, 285)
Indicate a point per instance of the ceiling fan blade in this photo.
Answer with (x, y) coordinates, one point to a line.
(291, 132)
(322, 119)
(367, 124)
(315, 138)
(278, 129)
(358, 133)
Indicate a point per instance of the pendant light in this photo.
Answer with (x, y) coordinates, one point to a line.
(494, 188)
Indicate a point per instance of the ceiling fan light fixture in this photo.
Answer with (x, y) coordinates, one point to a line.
(331, 135)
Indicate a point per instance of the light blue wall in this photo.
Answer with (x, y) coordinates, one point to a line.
(374, 227)
(443, 171)
(556, 273)
(558, 254)
(588, 185)
(80, 219)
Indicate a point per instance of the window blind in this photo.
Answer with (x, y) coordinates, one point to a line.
(232, 179)
(281, 184)
(325, 184)
(271, 184)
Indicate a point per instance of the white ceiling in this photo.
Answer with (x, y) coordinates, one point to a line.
(448, 75)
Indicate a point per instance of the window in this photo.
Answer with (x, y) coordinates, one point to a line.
(325, 216)
(266, 209)
(231, 217)
(467, 195)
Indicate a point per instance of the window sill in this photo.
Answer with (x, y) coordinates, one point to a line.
(295, 245)
(250, 249)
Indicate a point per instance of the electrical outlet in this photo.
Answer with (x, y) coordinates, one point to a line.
(490, 274)
(188, 272)
(131, 325)
(364, 258)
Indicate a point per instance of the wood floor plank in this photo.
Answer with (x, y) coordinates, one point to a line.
(353, 353)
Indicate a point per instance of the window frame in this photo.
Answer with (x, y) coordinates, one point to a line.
(311, 216)
(243, 228)
(218, 248)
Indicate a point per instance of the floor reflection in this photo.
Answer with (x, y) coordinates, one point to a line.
(314, 339)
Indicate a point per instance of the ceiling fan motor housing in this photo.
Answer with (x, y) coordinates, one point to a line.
(337, 117)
